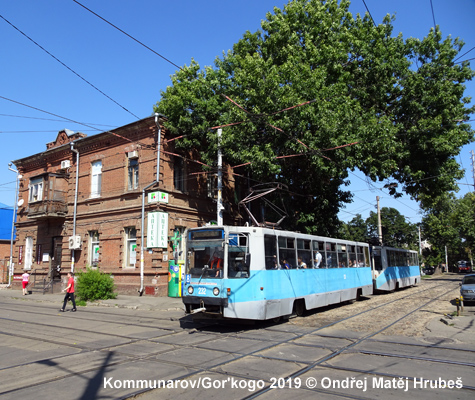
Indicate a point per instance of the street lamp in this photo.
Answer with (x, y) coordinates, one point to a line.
(18, 177)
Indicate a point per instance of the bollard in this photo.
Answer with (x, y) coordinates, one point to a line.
(457, 302)
(461, 303)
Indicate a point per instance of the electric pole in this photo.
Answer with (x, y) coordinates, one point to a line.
(220, 181)
(380, 230)
(473, 168)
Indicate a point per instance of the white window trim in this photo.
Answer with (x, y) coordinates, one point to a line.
(92, 244)
(96, 179)
(128, 253)
(35, 186)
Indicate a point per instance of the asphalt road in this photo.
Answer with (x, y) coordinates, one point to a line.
(120, 350)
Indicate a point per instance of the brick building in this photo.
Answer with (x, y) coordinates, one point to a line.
(81, 205)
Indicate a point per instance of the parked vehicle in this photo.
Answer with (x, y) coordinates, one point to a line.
(467, 287)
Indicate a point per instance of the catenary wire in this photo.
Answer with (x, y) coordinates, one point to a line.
(70, 69)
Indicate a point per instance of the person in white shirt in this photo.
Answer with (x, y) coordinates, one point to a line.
(318, 259)
(25, 279)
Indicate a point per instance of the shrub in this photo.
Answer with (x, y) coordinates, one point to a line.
(95, 285)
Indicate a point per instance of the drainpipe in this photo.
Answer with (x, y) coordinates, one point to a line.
(157, 181)
(10, 269)
(75, 201)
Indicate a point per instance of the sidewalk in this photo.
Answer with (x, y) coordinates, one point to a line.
(122, 301)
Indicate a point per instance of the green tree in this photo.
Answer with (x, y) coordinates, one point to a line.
(356, 230)
(449, 224)
(396, 231)
(366, 99)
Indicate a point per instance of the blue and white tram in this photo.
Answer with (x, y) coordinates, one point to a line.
(259, 273)
(394, 268)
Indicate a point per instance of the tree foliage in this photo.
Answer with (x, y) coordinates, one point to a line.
(449, 224)
(396, 231)
(318, 92)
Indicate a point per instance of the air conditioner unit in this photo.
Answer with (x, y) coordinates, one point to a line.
(133, 154)
(74, 242)
(65, 164)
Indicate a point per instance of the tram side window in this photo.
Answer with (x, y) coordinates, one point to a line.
(378, 265)
(332, 260)
(304, 252)
(342, 256)
(237, 250)
(352, 257)
(360, 256)
(270, 251)
(391, 259)
(366, 257)
(287, 254)
(318, 254)
(401, 259)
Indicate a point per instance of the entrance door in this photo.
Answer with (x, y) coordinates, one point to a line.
(57, 253)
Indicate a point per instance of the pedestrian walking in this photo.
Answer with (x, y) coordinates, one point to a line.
(69, 293)
(25, 279)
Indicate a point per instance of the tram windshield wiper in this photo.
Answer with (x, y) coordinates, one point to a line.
(204, 269)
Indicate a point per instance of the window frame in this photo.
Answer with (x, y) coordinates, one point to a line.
(94, 242)
(35, 185)
(130, 240)
(132, 173)
(96, 179)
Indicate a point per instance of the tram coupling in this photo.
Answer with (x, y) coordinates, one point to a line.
(198, 310)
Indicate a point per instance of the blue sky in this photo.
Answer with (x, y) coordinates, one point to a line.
(133, 76)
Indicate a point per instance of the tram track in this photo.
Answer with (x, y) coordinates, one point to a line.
(211, 330)
(215, 368)
(359, 341)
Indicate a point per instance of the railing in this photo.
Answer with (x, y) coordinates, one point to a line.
(44, 285)
(47, 208)
(32, 284)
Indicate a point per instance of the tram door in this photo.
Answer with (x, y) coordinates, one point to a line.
(56, 261)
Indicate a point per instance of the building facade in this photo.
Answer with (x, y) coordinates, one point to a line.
(81, 202)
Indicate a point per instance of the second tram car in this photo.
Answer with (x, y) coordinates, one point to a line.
(394, 268)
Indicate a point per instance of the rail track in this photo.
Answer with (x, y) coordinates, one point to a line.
(312, 333)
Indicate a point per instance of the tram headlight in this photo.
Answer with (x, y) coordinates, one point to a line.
(190, 290)
(215, 291)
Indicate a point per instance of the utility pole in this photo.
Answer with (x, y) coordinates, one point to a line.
(473, 168)
(380, 230)
(220, 207)
(10, 266)
(420, 243)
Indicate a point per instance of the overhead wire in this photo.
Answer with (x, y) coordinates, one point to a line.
(181, 69)
(433, 15)
(48, 119)
(67, 67)
(71, 120)
(126, 34)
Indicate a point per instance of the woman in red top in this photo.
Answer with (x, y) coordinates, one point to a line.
(69, 292)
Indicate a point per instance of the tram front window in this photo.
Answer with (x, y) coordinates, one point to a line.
(206, 260)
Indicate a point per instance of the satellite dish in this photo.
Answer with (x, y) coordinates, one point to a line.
(20, 202)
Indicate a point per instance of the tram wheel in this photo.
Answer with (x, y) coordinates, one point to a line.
(299, 307)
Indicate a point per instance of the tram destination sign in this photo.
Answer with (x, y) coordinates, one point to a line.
(208, 234)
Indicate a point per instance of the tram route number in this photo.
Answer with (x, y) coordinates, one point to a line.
(281, 383)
